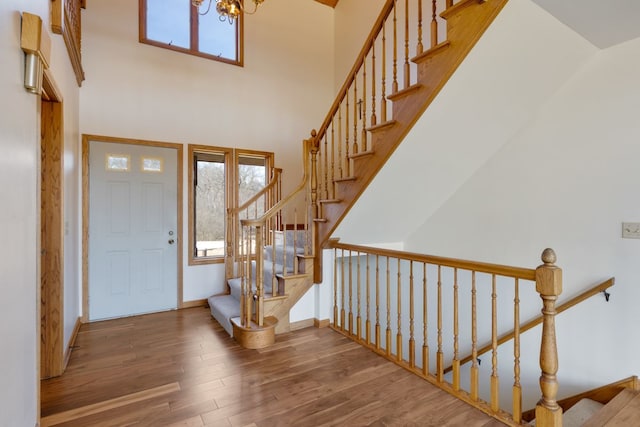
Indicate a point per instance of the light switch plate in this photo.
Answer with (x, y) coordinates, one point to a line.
(631, 230)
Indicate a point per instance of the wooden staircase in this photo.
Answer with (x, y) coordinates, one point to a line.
(374, 110)
(338, 190)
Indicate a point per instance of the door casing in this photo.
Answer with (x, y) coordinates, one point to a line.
(85, 210)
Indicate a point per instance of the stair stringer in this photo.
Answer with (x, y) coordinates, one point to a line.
(294, 287)
(466, 22)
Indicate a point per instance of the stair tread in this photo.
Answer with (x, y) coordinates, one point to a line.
(362, 154)
(381, 126)
(405, 92)
(616, 408)
(345, 179)
(440, 47)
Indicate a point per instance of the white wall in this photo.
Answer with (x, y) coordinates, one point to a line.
(353, 22)
(567, 180)
(494, 92)
(139, 91)
(19, 214)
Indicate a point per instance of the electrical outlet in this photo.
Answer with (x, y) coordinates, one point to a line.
(631, 230)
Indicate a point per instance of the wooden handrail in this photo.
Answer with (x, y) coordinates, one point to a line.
(375, 30)
(275, 209)
(538, 320)
(481, 267)
(274, 181)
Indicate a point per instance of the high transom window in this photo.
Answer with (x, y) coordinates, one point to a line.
(179, 26)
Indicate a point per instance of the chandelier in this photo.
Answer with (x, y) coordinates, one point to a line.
(228, 9)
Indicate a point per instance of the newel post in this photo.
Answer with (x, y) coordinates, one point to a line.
(314, 147)
(549, 286)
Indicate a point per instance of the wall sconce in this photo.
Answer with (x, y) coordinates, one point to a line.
(36, 44)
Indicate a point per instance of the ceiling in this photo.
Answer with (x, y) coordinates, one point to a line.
(603, 23)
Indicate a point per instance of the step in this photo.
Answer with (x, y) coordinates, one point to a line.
(428, 54)
(255, 336)
(579, 413)
(362, 154)
(617, 407)
(403, 93)
(381, 126)
(223, 309)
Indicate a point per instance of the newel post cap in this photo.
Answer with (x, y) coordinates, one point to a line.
(549, 275)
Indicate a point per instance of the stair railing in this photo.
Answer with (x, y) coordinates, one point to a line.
(382, 72)
(288, 223)
(259, 203)
(594, 290)
(407, 307)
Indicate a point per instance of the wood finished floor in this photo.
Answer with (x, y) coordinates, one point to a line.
(180, 368)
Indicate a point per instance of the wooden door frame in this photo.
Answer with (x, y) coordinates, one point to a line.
(51, 313)
(86, 138)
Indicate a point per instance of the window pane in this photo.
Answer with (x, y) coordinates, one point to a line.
(252, 177)
(216, 37)
(210, 208)
(152, 164)
(117, 162)
(168, 22)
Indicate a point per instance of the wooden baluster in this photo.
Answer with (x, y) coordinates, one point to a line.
(358, 302)
(229, 258)
(425, 342)
(549, 286)
(407, 67)
(399, 334)
(274, 289)
(474, 339)
(374, 119)
(350, 293)
(314, 148)
(243, 276)
(495, 386)
(342, 294)
(456, 360)
(260, 275)
(440, 354)
(388, 342)
(333, 160)
(335, 287)
(394, 84)
(383, 95)
(367, 326)
(419, 47)
(326, 166)
(363, 105)
(356, 104)
(284, 246)
(377, 302)
(346, 153)
(412, 341)
(449, 3)
(295, 244)
(434, 24)
(517, 388)
(340, 160)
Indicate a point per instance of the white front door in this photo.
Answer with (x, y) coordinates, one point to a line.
(133, 253)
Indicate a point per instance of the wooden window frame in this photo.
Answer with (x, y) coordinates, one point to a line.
(231, 159)
(193, 39)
